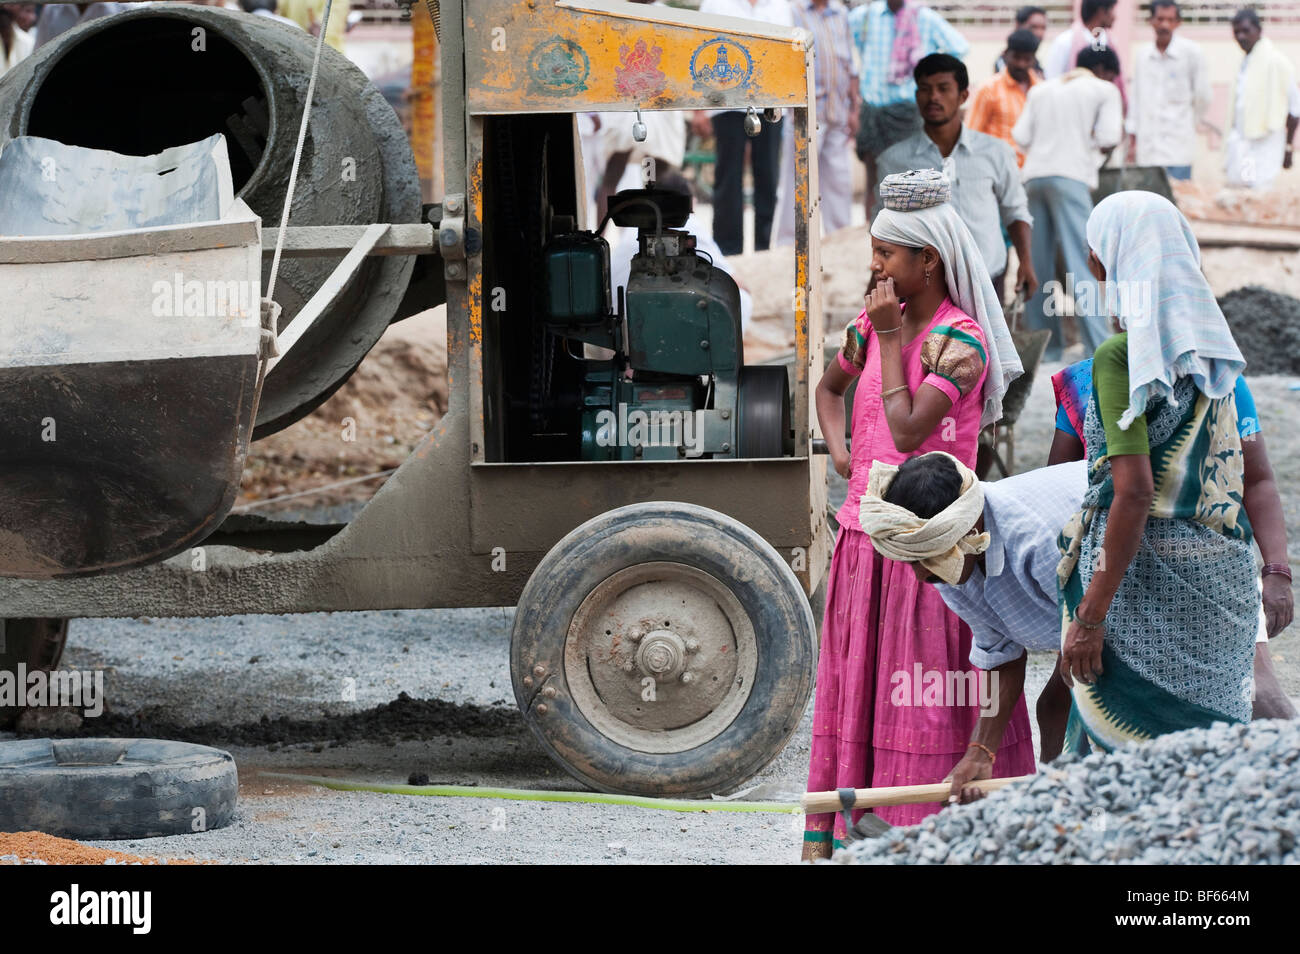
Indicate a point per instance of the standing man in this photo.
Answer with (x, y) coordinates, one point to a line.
(891, 37)
(998, 103)
(982, 170)
(730, 141)
(1033, 19)
(836, 79)
(1094, 16)
(1169, 96)
(309, 13)
(58, 18)
(1263, 110)
(1069, 126)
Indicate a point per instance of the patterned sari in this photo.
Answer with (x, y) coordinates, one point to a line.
(1179, 638)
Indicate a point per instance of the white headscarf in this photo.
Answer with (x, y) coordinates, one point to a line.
(941, 543)
(1155, 287)
(969, 285)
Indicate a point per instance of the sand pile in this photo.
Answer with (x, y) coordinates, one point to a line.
(34, 847)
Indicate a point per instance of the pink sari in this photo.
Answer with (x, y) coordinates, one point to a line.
(872, 726)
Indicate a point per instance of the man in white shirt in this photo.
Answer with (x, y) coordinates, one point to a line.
(58, 18)
(1067, 129)
(1263, 110)
(1168, 97)
(731, 143)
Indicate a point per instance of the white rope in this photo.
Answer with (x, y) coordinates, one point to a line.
(314, 490)
(297, 153)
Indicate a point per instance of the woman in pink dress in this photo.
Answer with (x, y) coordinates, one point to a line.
(933, 357)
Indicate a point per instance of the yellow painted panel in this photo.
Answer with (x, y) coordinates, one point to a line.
(574, 56)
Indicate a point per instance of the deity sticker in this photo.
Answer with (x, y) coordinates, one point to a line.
(639, 77)
(721, 64)
(558, 66)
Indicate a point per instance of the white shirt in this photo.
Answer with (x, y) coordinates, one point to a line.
(1239, 113)
(19, 50)
(1169, 94)
(1066, 124)
(1012, 605)
(776, 12)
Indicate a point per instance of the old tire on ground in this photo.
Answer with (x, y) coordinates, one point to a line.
(35, 643)
(663, 649)
(115, 788)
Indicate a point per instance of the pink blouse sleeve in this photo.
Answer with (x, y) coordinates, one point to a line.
(852, 354)
(954, 358)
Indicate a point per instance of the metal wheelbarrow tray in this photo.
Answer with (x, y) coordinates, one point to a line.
(129, 376)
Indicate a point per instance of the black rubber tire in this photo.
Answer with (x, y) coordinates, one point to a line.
(37, 644)
(763, 403)
(768, 592)
(115, 788)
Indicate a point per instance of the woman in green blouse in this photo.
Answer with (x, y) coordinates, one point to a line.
(1158, 597)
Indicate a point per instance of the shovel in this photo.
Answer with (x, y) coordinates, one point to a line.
(870, 826)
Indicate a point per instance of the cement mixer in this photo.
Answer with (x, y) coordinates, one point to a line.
(664, 642)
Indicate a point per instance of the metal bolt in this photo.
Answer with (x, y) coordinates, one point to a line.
(637, 637)
(453, 205)
(542, 710)
(704, 345)
(688, 677)
(539, 671)
(549, 692)
(726, 448)
(726, 414)
(528, 682)
(692, 645)
(702, 304)
(453, 270)
(629, 666)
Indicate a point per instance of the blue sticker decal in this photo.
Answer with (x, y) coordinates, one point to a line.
(721, 64)
(558, 66)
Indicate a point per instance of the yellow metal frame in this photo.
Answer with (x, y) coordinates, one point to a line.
(572, 56)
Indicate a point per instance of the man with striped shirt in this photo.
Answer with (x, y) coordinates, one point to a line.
(891, 37)
(836, 84)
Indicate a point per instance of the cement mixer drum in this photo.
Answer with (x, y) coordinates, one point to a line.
(150, 78)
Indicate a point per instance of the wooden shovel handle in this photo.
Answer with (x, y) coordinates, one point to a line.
(816, 803)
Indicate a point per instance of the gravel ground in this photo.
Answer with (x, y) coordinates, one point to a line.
(1227, 795)
(302, 694)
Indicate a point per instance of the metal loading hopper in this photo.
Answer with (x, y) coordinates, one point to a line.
(129, 357)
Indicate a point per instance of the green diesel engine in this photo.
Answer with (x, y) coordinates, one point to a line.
(663, 372)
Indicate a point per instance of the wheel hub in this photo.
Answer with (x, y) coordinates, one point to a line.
(660, 657)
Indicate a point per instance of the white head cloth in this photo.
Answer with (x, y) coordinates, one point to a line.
(969, 285)
(941, 543)
(1155, 288)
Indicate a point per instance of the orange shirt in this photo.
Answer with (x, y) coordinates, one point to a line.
(996, 106)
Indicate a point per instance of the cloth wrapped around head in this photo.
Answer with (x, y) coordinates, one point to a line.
(1155, 288)
(918, 213)
(941, 543)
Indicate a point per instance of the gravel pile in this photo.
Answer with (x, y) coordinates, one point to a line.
(1266, 325)
(1224, 795)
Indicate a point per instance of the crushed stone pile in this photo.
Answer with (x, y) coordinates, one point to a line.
(1266, 325)
(1225, 795)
